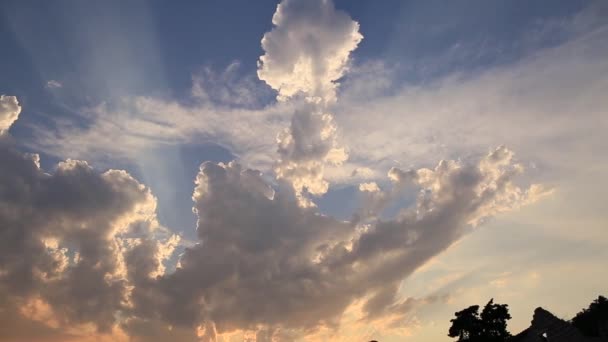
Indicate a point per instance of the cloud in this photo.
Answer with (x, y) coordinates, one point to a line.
(228, 89)
(304, 149)
(16, 327)
(457, 114)
(133, 126)
(52, 84)
(65, 236)
(87, 246)
(308, 48)
(306, 52)
(369, 187)
(265, 262)
(461, 114)
(9, 112)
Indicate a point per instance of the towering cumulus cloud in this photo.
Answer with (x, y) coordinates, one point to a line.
(306, 53)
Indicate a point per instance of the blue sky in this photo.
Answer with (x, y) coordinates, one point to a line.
(102, 52)
(157, 88)
(153, 48)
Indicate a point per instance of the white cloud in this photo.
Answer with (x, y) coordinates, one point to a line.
(308, 49)
(227, 88)
(127, 129)
(547, 106)
(369, 187)
(305, 148)
(306, 52)
(52, 84)
(9, 112)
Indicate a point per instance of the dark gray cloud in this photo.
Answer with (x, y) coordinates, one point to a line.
(63, 235)
(265, 261)
(15, 327)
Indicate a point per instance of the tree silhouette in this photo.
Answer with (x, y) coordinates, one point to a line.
(494, 321)
(490, 326)
(593, 321)
(467, 324)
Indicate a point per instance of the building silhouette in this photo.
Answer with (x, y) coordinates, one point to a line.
(546, 327)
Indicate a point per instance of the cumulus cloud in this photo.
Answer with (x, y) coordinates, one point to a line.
(306, 52)
(305, 148)
(265, 262)
(308, 49)
(64, 237)
(9, 112)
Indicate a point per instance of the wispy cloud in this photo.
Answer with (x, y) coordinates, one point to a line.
(52, 84)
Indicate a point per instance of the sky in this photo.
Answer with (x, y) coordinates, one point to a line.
(298, 170)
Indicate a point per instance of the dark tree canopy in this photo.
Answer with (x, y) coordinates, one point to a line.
(467, 324)
(491, 325)
(494, 321)
(593, 321)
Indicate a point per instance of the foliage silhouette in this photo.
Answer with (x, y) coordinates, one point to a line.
(593, 321)
(490, 326)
